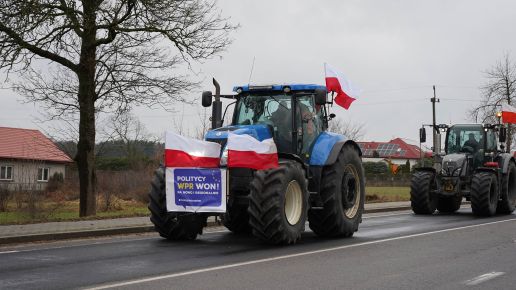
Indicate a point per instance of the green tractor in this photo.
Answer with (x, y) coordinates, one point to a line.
(473, 166)
(320, 178)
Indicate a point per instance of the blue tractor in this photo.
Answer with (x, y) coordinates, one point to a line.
(320, 177)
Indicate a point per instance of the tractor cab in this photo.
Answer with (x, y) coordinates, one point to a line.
(469, 142)
(293, 115)
(471, 139)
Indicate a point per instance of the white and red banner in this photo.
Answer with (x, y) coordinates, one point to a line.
(508, 114)
(338, 83)
(187, 152)
(245, 151)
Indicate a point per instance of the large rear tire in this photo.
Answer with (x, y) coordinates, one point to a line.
(278, 203)
(342, 194)
(171, 225)
(448, 204)
(484, 194)
(507, 203)
(422, 199)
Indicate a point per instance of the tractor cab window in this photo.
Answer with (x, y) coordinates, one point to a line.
(491, 141)
(468, 139)
(309, 124)
(271, 110)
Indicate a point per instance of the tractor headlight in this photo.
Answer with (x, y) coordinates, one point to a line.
(224, 157)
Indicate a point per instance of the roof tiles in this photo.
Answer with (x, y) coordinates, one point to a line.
(29, 144)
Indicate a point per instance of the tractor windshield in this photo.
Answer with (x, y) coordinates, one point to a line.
(260, 109)
(464, 138)
(272, 110)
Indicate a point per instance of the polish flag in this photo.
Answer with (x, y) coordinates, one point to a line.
(508, 114)
(186, 152)
(247, 152)
(338, 83)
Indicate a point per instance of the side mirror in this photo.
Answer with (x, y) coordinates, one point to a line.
(502, 135)
(422, 135)
(206, 99)
(320, 97)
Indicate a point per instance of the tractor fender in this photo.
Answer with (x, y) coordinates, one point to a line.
(335, 151)
(427, 169)
(505, 159)
(327, 148)
(487, 169)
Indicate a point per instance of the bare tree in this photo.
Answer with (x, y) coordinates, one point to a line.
(105, 56)
(500, 88)
(128, 129)
(352, 130)
(205, 124)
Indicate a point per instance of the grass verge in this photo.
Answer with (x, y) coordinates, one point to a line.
(387, 194)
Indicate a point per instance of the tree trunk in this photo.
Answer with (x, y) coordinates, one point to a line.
(86, 147)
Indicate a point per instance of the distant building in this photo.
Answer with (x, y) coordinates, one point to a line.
(28, 159)
(396, 150)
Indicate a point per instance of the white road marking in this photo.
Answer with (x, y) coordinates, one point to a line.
(482, 278)
(8, 252)
(283, 257)
(385, 215)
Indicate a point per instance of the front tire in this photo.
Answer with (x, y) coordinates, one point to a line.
(447, 204)
(507, 203)
(171, 225)
(422, 199)
(236, 219)
(278, 203)
(484, 194)
(342, 194)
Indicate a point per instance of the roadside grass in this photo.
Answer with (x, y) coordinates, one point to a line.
(69, 211)
(49, 211)
(386, 194)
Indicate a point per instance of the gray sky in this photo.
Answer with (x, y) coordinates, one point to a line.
(393, 50)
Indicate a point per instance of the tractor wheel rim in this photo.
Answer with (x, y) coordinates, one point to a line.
(355, 186)
(293, 203)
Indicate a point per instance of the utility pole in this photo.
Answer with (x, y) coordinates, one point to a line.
(436, 133)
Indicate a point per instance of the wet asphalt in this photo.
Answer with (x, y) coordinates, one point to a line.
(395, 250)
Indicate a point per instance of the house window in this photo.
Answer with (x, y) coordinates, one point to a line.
(43, 174)
(6, 173)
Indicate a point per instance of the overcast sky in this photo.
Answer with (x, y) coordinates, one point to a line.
(393, 50)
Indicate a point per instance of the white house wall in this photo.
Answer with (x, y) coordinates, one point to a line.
(25, 173)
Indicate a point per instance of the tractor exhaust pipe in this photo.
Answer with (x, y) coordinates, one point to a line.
(216, 110)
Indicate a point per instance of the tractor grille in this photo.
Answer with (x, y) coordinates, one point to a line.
(449, 167)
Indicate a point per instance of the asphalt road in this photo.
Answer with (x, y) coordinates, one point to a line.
(390, 251)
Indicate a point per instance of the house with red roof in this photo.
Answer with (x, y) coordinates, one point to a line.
(28, 159)
(396, 150)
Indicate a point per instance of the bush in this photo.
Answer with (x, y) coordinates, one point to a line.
(5, 195)
(375, 167)
(427, 162)
(55, 182)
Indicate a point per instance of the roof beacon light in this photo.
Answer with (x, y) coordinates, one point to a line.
(286, 89)
(239, 90)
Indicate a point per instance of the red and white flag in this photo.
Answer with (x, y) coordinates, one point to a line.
(508, 114)
(245, 151)
(186, 152)
(338, 83)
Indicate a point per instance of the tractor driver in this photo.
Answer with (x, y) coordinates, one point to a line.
(282, 120)
(471, 142)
